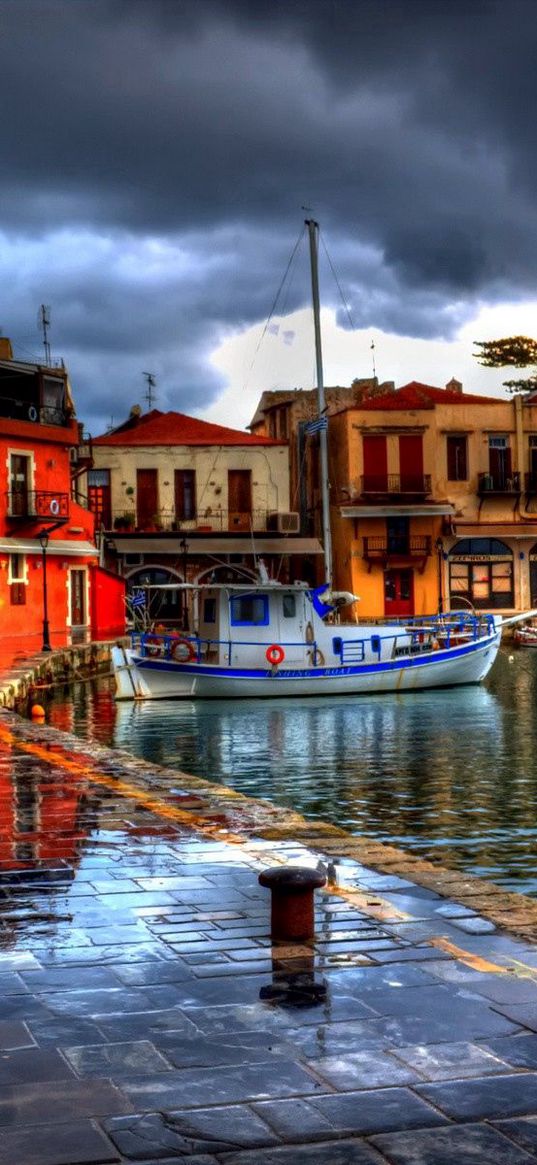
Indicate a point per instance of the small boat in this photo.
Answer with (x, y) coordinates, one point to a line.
(268, 639)
(526, 635)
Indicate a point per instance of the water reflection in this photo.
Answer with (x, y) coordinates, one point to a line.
(451, 774)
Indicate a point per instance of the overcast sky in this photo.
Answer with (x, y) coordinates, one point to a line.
(156, 155)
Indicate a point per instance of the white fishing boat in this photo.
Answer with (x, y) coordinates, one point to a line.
(265, 639)
(526, 635)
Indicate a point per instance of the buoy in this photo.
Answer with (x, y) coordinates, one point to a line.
(37, 712)
(511, 659)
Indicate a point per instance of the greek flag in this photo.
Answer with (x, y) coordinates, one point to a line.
(316, 426)
(138, 599)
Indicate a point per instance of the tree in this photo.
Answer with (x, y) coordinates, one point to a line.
(513, 351)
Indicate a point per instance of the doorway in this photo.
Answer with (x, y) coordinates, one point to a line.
(398, 593)
(77, 606)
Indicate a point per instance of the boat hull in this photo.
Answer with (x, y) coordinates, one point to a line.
(164, 679)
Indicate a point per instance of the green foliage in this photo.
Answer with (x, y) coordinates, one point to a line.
(514, 351)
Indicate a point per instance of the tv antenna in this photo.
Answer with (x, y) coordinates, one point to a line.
(43, 322)
(151, 388)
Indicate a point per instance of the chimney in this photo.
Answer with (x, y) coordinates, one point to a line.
(454, 385)
(6, 351)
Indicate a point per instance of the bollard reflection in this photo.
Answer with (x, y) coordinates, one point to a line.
(294, 981)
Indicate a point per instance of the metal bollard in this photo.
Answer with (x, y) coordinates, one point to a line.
(292, 910)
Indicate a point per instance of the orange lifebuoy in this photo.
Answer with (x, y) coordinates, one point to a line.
(183, 651)
(275, 654)
(152, 645)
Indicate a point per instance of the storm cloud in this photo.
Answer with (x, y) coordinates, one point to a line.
(156, 155)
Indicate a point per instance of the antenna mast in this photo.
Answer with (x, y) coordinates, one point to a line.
(151, 388)
(313, 230)
(43, 318)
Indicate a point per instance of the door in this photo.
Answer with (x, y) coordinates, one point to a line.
(239, 493)
(78, 605)
(398, 593)
(18, 485)
(146, 497)
(185, 495)
(499, 462)
(411, 463)
(99, 497)
(397, 533)
(375, 465)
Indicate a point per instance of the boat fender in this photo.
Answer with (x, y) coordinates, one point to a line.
(183, 651)
(310, 635)
(275, 654)
(316, 658)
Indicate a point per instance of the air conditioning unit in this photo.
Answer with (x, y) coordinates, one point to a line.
(284, 523)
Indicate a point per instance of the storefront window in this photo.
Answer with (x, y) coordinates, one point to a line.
(481, 573)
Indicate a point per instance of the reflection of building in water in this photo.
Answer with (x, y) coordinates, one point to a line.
(44, 820)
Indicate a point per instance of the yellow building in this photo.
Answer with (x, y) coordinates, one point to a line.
(433, 499)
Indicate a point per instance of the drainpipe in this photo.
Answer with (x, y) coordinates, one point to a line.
(519, 437)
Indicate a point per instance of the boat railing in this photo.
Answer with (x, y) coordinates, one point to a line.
(185, 648)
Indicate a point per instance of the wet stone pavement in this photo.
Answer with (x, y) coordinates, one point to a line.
(145, 1015)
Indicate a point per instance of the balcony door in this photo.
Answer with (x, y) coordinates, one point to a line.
(398, 593)
(499, 462)
(375, 464)
(411, 462)
(146, 497)
(239, 490)
(19, 480)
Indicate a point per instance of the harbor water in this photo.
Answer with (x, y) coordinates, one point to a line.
(450, 775)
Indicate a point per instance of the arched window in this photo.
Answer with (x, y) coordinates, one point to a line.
(158, 605)
(481, 574)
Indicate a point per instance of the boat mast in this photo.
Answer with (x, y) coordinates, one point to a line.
(313, 230)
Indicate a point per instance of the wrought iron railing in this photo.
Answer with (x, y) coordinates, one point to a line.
(414, 546)
(38, 504)
(498, 482)
(396, 483)
(217, 521)
(24, 410)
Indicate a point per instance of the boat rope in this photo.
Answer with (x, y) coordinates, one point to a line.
(274, 306)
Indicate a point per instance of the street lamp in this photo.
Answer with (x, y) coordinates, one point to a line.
(43, 541)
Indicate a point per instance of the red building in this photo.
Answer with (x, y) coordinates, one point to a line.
(52, 589)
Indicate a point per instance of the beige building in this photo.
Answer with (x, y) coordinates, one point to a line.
(178, 498)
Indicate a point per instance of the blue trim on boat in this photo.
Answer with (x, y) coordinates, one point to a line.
(151, 664)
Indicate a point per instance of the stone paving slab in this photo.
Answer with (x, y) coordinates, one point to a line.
(146, 1016)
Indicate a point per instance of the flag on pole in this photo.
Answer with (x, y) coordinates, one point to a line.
(138, 599)
(317, 426)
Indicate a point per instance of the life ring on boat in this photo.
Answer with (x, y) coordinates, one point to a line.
(152, 645)
(183, 651)
(275, 654)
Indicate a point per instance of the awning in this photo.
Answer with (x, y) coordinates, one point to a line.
(215, 545)
(55, 546)
(396, 511)
(499, 530)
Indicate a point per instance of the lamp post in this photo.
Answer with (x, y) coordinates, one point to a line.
(43, 541)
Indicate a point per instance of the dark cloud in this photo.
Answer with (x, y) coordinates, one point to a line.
(156, 153)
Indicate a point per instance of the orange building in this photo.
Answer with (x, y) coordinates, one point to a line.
(52, 590)
(433, 497)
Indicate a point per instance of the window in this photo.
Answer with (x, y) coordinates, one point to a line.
(481, 573)
(19, 484)
(17, 580)
(289, 606)
(17, 568)
(249, 611)
(457, 458)
(209, 611)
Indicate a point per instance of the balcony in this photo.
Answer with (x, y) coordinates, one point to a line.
(37, 505)
(204, 522)
(405, 551)
(396, 485)
(498, 483)
(16, 409)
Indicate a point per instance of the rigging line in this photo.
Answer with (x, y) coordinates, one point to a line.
(334, 273)
(273, 308)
